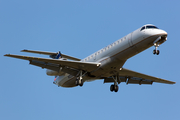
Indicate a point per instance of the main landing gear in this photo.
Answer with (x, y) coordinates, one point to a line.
(79, 79)
(79, 82)
(114, 87)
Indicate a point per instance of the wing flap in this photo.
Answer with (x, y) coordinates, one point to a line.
(87, 66)
(54, 67)
(129, 80)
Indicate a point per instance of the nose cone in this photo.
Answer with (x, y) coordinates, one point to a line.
(154, 32)
(162, 32)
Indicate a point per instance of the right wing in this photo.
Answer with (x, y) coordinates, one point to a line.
(51, 53)
(79, 65)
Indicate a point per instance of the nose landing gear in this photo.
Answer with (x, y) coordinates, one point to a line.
(156, 51)
(156, 45)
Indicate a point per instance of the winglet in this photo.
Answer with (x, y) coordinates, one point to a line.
(24, 50)
(7, 54)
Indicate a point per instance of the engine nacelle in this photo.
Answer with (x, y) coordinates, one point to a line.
(54, 73)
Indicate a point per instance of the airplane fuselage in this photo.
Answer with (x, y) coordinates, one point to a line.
(113, 56)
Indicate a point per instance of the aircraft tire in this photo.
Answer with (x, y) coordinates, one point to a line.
(112, 88)
(77, 82)
(157, 52)
(81, 83)
(116, 88)
(154, 52)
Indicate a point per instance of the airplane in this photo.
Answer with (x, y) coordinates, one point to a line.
(107, 63)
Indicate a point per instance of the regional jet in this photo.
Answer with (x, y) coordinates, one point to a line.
(107, 63)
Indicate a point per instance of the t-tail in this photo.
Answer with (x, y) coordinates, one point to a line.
(56, 56)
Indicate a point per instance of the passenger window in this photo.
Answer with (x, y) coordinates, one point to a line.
(124, 38)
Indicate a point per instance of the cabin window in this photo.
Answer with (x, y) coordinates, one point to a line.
(124, 38)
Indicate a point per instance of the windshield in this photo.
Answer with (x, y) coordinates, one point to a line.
(151, 27)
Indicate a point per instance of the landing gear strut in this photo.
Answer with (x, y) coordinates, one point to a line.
(114, 87)
(79, 79)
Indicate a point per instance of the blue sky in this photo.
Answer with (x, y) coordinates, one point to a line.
(79, 28)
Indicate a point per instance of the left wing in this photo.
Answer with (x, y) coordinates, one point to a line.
(79, 65)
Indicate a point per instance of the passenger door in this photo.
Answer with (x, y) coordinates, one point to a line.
(129, 38)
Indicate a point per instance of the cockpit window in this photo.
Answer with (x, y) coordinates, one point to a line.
(142, 28)
(151, 27)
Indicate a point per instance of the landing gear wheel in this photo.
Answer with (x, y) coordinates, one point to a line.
(112, 88)
(154, 52)
(77, 82)
(116, 88)
(80, 83)
(157, 53)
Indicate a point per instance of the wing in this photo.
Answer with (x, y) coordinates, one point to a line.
(79, 65)
(133, 77)
(51, 53)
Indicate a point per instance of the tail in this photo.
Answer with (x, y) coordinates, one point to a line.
(58, 55)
